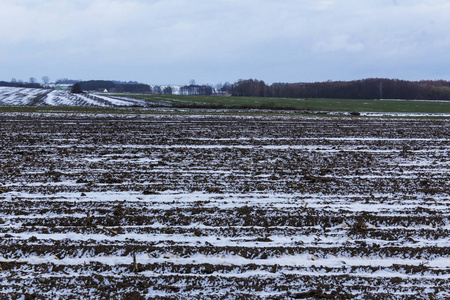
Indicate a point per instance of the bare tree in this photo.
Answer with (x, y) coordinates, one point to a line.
(13, 80)
(45, 79)
(226, 87)
(157, 90)
(33, 80)
(167, 90)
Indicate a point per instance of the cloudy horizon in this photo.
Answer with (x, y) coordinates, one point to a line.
(174, 41)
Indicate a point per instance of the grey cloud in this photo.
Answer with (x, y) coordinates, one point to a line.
(174, 40)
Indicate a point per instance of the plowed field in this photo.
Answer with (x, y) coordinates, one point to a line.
(222, 207)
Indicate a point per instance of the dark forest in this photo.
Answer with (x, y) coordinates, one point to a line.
(373, 88)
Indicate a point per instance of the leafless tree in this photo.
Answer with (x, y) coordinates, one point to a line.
(45, 79)
(167, 90)
(157, 90)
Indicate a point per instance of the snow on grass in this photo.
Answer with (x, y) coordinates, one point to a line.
(19, 96)
(38, 97)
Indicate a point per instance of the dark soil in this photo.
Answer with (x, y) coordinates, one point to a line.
(220, 206)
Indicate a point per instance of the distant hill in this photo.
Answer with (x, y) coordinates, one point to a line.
(47, 97)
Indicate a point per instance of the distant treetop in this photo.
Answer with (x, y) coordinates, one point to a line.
(66, 81)
(372, 88)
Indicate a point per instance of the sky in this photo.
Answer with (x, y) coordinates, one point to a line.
(215, 41)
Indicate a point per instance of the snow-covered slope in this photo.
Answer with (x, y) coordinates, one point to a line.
(39, 97)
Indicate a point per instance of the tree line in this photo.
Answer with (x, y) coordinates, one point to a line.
(20, 84)
(120, 87)
(373, 88)
(116, 87)
(194, 89)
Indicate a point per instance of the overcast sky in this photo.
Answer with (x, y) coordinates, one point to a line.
(211, 41)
